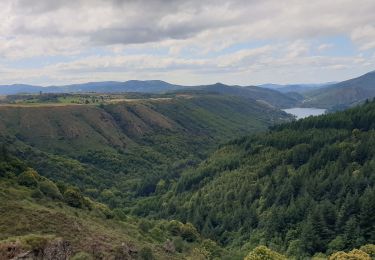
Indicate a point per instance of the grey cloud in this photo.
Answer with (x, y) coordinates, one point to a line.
(118, 21)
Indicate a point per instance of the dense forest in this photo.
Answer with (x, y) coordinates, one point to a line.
(303, 188)
(142, 144)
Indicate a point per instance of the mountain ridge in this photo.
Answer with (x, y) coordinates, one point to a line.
(343, 94)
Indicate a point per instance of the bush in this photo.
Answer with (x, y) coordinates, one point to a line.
(179, 244)
(28, 178)
(212, 248)
(50, 189)
(352, 255)
(73, 197)
(144, 225)
(369, 249)
(189, 232)
(264, 253)
(36, 194)
(174, 227)
(146, 253)
(102, 209)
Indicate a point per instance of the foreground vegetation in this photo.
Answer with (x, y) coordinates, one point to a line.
(38, 216)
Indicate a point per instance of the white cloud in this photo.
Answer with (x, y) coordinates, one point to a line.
(325, 46)
(143, 38)
(364, 36)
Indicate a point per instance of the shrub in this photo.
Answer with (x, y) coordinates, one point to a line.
(352, 255)
(189, 232)
(369, 249)
(144, 225)
(174, 227)
(28, 178)
(36, 194)
(179, 244)
(264, 253)
(50, 189)
(73, 197)
(146, 253)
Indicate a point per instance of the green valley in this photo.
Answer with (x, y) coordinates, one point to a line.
(170, 176)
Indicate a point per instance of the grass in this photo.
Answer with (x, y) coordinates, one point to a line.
(31, 221)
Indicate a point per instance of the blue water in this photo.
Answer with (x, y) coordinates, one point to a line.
(302, 112)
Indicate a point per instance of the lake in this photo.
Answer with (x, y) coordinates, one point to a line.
(302, 112)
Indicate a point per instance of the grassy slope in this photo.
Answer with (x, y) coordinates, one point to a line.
(136, 143)
(26, 217)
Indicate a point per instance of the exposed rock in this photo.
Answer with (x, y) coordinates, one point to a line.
(125, 252)
(169, 247)
(57, 249)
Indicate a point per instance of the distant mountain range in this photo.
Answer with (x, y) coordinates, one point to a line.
(298, 88)
(331, 95)
(152, 86)
(268, 96)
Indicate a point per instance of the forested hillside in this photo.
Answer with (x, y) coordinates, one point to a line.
(303, 188)
(42, 219)
(121, 150)
(95, 175)
(343, 94)
(270, 97)
(72, 169)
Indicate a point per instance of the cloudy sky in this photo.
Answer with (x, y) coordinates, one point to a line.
(186, 42)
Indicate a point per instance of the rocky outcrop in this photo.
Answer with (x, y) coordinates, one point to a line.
(57, 249)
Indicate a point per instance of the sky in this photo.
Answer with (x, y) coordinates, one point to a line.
(188, 42)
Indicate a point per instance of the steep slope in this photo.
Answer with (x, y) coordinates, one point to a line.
(303, 188)
(268, 96)
(139, 144)
(42, 220)
(343, 94)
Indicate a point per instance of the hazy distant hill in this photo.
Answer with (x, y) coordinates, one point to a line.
(298, 88)
(151, 86)
(268, 96)
(343, 94)
(19, 88)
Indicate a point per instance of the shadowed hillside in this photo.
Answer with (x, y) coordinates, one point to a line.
(343, 94)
